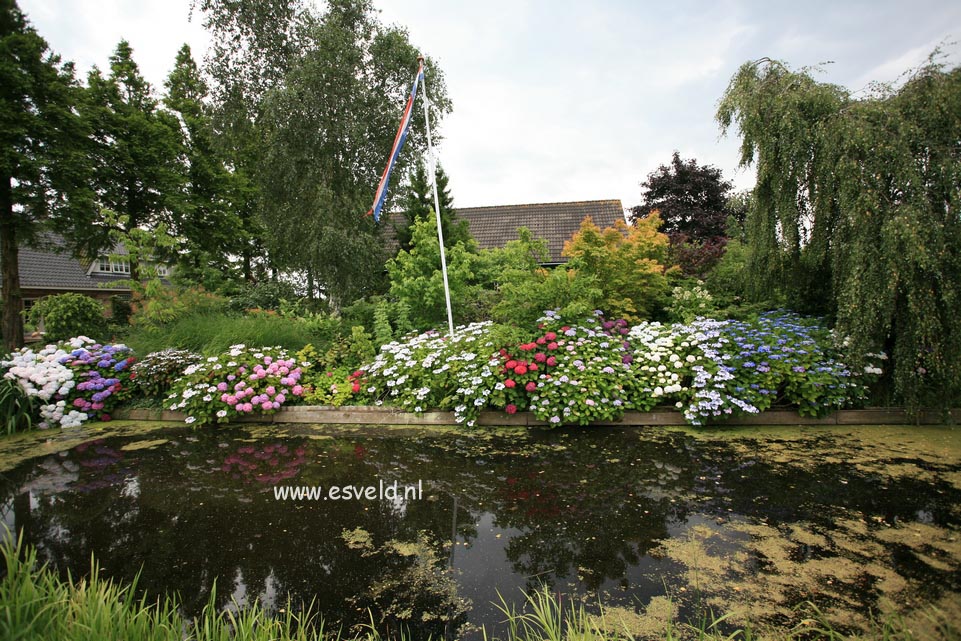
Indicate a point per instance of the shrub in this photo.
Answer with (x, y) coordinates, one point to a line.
(713, 369)
(88, 380)
(67, 315)
(424, 372)
(165, 305)
(568, 374)
(236, 383)
(156, 372)
(120, 311)
(416, 278)
(630, 264)
(688, 303)
(264, 295)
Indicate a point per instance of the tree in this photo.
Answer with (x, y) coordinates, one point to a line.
(208, 227)
(690, 198)
(42, 145)
(418, 203)
(856, 210)
(138, 158)
(630, 264)
(417, 281)
(253, 46)
(692, 201)
(327, 132)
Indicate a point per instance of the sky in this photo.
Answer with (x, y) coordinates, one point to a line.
(560, 100)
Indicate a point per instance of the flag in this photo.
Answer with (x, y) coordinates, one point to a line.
(381, 195)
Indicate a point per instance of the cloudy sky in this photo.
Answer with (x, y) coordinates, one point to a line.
(571, 99)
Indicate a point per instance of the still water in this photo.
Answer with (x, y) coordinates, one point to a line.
(653, 522)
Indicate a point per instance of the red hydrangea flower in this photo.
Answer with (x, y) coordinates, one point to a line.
(520, 370)
(540, 357)
(551, 361)
(530, 387)
(541, 340)
(550, 336)
(552, 346)
(511, 409)
(532, 367)
(511, 364)
(355, 387)
(509, 383)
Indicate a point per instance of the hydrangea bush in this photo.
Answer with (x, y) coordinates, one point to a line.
(156, 372)
(239, 382)
(435, 371)
(571, 374)
(713, 369)
(596, 370)
(75, 381)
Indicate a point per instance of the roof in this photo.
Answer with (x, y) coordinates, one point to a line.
(493, 227)
(554, 222)
(54, 268)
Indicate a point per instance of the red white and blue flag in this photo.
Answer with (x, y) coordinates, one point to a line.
(381, 195)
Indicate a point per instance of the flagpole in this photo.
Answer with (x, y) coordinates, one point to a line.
(433, 182)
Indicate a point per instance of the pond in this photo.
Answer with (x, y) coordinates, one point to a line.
(651, 522)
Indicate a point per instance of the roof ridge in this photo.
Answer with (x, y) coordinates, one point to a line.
(562, 202)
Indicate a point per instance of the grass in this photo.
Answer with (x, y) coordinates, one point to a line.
(36, 605)
(16, 408)
(211, 334)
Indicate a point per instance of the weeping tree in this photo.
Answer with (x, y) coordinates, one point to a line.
(855, 213)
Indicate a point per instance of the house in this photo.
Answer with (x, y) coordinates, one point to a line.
(554, 222)
(53, 270)
(494, 227)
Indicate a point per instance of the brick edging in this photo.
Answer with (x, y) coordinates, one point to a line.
(370, 415)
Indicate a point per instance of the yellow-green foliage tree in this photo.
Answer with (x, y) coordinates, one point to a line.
(630, 264)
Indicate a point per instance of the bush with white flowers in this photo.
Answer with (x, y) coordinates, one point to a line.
(76, 380)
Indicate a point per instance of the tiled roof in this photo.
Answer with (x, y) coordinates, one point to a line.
(554, 222)
(54, 268)
(493, 227)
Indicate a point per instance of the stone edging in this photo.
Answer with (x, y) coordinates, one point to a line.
(368, 415)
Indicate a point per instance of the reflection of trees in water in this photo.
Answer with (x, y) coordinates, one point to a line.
(593, 511)
(202, 513)
(592, 503)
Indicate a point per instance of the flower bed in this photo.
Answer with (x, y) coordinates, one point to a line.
(582, 373)
(597, 370)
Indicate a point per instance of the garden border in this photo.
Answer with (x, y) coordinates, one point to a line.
(370, 415)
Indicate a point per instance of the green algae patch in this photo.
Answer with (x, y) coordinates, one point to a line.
(143, 445)
(24, 446)
(652, 622)
(358, 539)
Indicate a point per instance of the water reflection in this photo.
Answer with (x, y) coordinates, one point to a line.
(581, 511)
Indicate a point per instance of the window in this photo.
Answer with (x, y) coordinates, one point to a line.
(103, 264)
(120, 267)
(161, 270)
